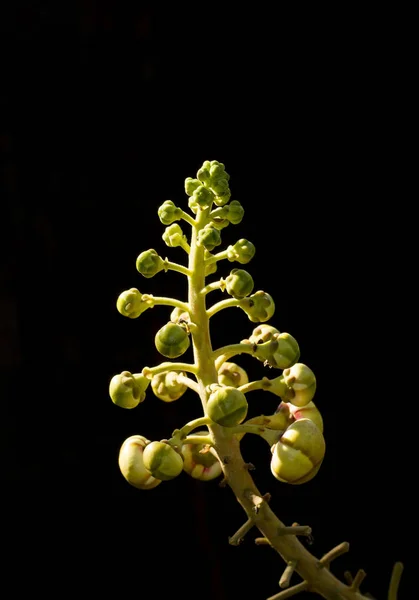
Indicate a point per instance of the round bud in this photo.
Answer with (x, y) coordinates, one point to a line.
(149, 263)
(242, 251)
(227, 406)
(131, 463)
(169, 213)
(173, 236)
(301, 382)
(297, 456)
(235, 212)
(172, 340)
(287, 352)
(309, 411)
(127, 390)
(209, 237)
(203, 174)
(232, 375)
(131, 303)
(239, 283)
(259, 307)
(203, 197)
(262, 333)
(162, 461)
(200, 465)
(167, 387)
(191, 185)
(217, 171)
(223, 197)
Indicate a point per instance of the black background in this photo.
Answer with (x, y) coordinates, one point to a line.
(108, 107)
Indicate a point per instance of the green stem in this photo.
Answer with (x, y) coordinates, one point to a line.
(184, 431)
(190, 383)
(186, 217)
(265, 385)
(256, 429)
(226, 352)
(216, 285)
(221, 305)
(184, 244)
(149, 372)
(168, 265)
(198, 439)
(160, 300)
(216, 257)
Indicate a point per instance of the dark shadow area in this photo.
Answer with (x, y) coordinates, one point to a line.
(108, 110)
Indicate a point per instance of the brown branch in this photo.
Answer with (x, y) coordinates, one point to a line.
(316, 578)
(358, 579)
(238, 537)
(287, 574)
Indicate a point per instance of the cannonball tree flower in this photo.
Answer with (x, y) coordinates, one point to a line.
(128, 390)
(280, 352)
(199, 462)
(172, 340)
(162, 461)
(167, 387)
(131, 464)
(309, 411)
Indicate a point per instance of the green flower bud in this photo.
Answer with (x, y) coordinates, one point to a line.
(191, 185)
(127, 390)
(209, 237)
(301, 383)
(179, 316)
(259, 307)
(222, 197)
(281, 352)
(309, 411)
(297, 456)
(262, 333)
(203, 175)
(235, 212)
(232, 375)
(173, 236)
(162, 461)
(131, 463)
(149, 263)
(172, 340)
(217, 171)
(239, 283)
(243, 251)
(169, 213)
(132, 303)
(220, 187)
(287, 352)
(167, 387)
(203, 197)
(200, 465)
(227, 406)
